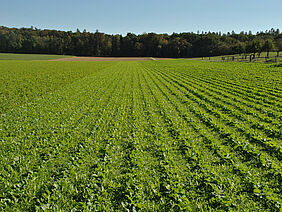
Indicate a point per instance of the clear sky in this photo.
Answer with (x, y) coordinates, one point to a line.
(138, 16)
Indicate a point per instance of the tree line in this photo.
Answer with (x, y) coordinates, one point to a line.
(37, 41)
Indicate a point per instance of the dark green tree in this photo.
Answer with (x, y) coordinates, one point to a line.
(268, 46)
(278, 45)
(33, 40)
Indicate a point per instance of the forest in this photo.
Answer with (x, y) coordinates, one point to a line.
(177, 45)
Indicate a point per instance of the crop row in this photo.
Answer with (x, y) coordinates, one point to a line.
(270, 199)
(141, 136)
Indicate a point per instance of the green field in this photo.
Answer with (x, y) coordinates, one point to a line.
(173, 135)
(11, 56)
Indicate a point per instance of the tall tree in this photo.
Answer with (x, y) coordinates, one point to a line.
(278, 44)
(33, 40)
(268, 46)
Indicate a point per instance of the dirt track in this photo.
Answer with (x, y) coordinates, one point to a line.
(108, 59)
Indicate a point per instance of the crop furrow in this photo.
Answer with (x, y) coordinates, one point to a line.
(230, 95)
(222, 102)
(252, 91)
(266, 199)
(206, 120)
(161, 149)
(267, 143)
(249, 99)
(271, 117)
(175, 135)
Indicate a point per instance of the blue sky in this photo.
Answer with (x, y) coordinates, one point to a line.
(138, 16)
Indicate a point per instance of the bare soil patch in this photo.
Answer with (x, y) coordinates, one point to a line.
(108, 59)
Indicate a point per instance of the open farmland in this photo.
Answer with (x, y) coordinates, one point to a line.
(12, 56)
(140, 135)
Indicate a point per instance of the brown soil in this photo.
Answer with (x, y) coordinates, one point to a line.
(108, 59)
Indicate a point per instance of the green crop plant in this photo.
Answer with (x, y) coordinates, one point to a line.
(173, 135)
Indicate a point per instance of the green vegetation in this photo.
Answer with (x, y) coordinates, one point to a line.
(263, 57)
(172, 135)
(176, 45)
(22, 82)
(9, 56)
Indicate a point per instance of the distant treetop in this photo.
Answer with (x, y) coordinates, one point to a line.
(186, 44)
